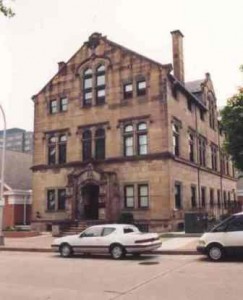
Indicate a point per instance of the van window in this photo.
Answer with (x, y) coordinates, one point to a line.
(236, 224)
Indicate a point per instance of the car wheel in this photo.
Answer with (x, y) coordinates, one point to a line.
(66, 250)
(215, 252)
(117, 251)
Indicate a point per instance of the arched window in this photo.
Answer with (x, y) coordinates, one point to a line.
(87, 144)
(87, 87)
(100, 84)
(100, 143)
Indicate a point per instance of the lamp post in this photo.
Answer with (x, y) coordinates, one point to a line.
(2, 177)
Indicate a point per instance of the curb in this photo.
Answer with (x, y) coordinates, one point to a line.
(49, 250)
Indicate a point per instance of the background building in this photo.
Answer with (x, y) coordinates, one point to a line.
(116, 132)
(17, 189)
(18, 140)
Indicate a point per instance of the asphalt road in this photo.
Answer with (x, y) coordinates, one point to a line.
(46, 276)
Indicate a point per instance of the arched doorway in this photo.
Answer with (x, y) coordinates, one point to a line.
(90, 199)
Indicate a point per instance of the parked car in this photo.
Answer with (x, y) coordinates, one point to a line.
(114, 239)
(224, 239)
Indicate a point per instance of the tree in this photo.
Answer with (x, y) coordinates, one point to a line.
(232, 124)
(6, 11)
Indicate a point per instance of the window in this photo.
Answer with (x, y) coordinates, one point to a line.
(56, 199)
(202, 115)
(236, 224)
(214, 157)
(92, 232)
(100, 85)
(175, 139)
(129, 196)
(189, 104)
(141, 87)
(100, 143)
(202, 151)
(51, 200)
(193, 197)
(142, 138)
(61, 204)
(143, 198)
(178, 200)
(191, 147)
(128, 140)
(128, 230)
(211, 198)
(128, 90)
(63, 104)
(52, 150)
(225, 199)
(203, 197)
(218, 199)
(87, 144)
(107, 230)
(87, 87)
(62, 149)
(211, 110)
(53, 106)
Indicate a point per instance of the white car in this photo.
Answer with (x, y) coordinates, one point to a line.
(224, 239)
(114, 239)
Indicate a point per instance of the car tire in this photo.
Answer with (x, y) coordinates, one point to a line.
(66, 250)
(215, 252)
(117, 251)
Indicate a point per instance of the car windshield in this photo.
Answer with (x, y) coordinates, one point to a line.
(222, 225)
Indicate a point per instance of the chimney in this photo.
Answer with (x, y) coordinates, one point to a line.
(60, 65)
(178, 60)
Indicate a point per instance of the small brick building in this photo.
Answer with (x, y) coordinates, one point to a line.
(116, 132)
(17, 189)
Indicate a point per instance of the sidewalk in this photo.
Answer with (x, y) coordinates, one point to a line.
(42, 243)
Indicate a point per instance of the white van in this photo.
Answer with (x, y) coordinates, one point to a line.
(224, 239)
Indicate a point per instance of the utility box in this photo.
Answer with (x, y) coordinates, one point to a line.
(195, 222)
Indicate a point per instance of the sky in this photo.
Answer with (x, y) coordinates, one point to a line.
(44, 32)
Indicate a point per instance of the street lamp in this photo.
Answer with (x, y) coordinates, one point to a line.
(2, 177)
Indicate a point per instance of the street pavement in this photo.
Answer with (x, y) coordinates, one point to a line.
(43, 243)
(47, 276)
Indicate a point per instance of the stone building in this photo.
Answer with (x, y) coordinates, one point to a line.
(116, 132)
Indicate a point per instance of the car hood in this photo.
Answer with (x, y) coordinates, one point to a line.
(66, 239)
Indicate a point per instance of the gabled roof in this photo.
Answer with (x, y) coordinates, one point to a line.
(195, 86)
(18, 174)
(104, 39)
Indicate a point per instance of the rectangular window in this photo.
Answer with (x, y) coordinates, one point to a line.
(214, 157)
(87, 98)
(175, 139)
(225, 199)
(141, 88)
(142, 144)
(143, 196)
(191, 146)
(193, 197)
(88, 83)
(211, 198)
(100, 80)
(51, 200)
(53, 106)
(63, 104)
(189, 104)
(202, 151)
(61, 203)
(202, 115)
(128, 90)
(129, 196)
(62, 149)
(203, 197)
(218, 199)
(100, 96)
(128, 145)
(178, 200)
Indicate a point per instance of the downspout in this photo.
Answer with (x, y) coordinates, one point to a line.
(198, 164)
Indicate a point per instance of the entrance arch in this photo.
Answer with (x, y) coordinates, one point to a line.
(90, 201)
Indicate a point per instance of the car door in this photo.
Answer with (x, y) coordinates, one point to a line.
(88, 240)
(233, 236)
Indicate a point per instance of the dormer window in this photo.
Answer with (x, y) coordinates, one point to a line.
(141, 87)
(128, 90)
